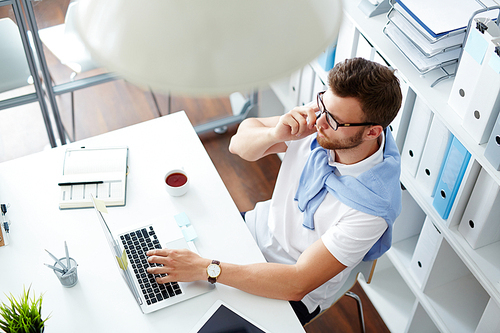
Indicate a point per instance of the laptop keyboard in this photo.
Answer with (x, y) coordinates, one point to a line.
(136, 244)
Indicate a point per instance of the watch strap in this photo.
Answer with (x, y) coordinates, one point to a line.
(213, 280)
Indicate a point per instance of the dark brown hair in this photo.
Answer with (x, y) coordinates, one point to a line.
(375, 86)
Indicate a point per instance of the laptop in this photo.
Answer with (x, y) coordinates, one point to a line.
(129, 249)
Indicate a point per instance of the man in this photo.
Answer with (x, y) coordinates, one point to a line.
(336, 195)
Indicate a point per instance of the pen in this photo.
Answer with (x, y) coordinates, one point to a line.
(71, 270)
(67, 254)
(55, 268)
(58, 261)
(81, 183)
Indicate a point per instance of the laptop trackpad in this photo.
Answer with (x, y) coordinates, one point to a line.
(179, 243)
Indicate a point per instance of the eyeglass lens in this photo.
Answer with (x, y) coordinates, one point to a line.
(322, 109)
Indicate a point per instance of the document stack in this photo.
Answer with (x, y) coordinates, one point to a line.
(431, 33)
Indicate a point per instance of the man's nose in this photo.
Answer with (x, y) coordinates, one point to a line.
(321, 120)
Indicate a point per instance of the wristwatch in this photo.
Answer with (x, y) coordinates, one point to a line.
(213, 271)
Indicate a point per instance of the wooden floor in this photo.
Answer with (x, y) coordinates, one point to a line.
(119, 104)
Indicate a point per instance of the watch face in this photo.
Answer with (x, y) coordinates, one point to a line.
(213, 270)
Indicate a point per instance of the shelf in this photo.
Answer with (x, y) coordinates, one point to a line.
(403, 272)
(421, 322)
(390, 295)
(404, 249)
(484, 263)
(454, 293)
(436, 97)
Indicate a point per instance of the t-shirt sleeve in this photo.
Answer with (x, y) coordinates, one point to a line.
(353, 236)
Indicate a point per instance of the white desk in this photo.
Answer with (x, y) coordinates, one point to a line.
(101, 302)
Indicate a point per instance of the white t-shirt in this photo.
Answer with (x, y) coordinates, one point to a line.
(347, 233)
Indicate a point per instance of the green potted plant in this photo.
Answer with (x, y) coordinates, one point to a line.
(23, 315)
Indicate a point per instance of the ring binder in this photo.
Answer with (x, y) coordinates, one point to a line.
(492, 152)
(484, 104)
(479, 224)
(450, 177)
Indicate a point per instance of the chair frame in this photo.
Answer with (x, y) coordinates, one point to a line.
(365, 268)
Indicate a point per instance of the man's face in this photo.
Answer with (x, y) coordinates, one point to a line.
(344, 110)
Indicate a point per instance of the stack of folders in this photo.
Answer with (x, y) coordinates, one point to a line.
(430, 33)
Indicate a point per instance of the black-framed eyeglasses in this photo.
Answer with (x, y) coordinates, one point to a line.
(334, 124)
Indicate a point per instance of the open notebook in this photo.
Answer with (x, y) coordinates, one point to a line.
(101, 172)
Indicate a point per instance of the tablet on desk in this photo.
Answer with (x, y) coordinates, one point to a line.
(222, 318)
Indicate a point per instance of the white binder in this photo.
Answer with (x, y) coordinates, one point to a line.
(432, 157)
(364, 48)
(425, 252)
(484, 104)
(306, 85)
(294, 87)
(480, 224)
(394, 125)
(347, 41)
(492, 152)
(415, 137)
(399, 124)
(318, 86)
(467, 76)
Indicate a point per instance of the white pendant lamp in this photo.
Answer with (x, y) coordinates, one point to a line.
(213, 47)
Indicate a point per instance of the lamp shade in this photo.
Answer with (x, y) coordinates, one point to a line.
(206, 46)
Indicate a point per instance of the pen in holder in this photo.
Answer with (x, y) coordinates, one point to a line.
(65, 269)
(4, 226)
(70, 277)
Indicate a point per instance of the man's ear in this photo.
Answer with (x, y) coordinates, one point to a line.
(373, 132)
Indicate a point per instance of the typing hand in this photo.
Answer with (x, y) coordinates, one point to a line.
(181, 265)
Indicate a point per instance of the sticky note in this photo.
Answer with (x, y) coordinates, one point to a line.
(101, 206)
(189, 233)
(123, 261)
(182, 219)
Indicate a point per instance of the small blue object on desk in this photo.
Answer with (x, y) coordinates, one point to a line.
(187, 229)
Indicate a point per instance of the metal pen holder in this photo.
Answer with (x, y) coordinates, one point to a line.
(69, 278)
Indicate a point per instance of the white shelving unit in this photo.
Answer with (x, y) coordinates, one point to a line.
(459, 291)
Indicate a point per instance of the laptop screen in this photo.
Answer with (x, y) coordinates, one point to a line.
(115, 248)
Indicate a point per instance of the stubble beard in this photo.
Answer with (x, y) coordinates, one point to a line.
(341, 144)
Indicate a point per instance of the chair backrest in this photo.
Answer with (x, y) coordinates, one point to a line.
(79, 59)
(14, 70)
(364, 267)
(69, 19)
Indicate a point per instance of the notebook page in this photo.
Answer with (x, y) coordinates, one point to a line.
(95, 161)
